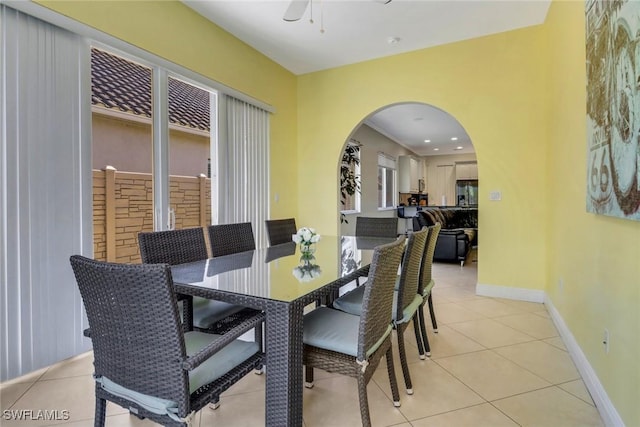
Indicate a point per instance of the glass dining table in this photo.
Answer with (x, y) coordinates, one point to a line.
(281, 282)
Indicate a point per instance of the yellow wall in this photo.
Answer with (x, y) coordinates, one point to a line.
(496, 88)
(521, 97)
(175, 32)
(597, 257)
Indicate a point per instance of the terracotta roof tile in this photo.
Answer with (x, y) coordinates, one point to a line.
(123, 85)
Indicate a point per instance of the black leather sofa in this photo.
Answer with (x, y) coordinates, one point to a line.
(459, 230)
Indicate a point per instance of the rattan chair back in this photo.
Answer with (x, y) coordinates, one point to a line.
(410, 271)
(135, 328)
(377, 300)
(426, 268)
(226, 239)
(172, 246)
(280, 230)
(376, 227)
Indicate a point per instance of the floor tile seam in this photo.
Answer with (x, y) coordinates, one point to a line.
(42, 380)
(485, 402)
(458, 306)
(497, 319)
(516, 330)
(549, 384)
(540, 315)
(520, 366)
(17, 380)
(22, 394)
(489, 348)
(564, 348)
(529, 370)
(530, 391)
(460, 380)
(592, 403)
(504, 413)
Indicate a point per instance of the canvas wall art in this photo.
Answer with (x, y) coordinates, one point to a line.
(613, 107)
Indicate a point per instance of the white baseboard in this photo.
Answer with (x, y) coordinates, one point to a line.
(607, 411)
(518, 294)
(604, 405)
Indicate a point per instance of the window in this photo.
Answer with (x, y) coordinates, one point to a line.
(386, 181)
(125, 198)
(350, 177)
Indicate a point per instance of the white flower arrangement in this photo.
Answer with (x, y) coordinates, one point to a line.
(306, 236)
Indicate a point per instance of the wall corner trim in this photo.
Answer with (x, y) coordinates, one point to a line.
(604, 405)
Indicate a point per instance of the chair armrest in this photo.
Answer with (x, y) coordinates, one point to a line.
(196, 359)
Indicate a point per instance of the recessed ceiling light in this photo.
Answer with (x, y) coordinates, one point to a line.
(455, 138)
(427, 140)
(458, 148)
(436, 149)
(393, 40)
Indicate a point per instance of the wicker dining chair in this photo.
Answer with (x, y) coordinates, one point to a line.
(425, 285)
(280, 230)
(352, 345)
(174, 247)
(187, 245)
(143, 360)
(376, 227)
(227, 239)
(406, 299)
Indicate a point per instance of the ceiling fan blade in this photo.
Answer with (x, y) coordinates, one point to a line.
(295, 10)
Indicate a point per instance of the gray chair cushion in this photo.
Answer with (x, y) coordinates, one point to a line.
(335, 330)
(220, 363)
(207, 312)
(213, 368)
(351, 302)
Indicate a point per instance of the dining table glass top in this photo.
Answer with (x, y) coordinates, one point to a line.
(281, 272)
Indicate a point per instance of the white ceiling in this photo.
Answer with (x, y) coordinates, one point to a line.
(359, 30)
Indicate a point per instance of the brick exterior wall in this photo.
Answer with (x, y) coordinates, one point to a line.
(123, 207)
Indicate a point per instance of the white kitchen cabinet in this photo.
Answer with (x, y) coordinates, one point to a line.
(409, 172)
(467, 170)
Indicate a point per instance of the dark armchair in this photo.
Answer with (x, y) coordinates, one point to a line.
(457, 235)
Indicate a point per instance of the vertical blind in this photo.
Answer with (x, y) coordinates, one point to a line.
(244, 166)
(45, 191)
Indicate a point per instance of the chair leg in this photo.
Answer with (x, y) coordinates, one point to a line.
(101, 407)
(308, 377)
(433, 314)
(395, 394)
(364, 401)
(423, 329)
(403, 358)
(416, 330)
(259, 338)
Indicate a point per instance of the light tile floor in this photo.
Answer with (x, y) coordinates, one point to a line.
(494, 363)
